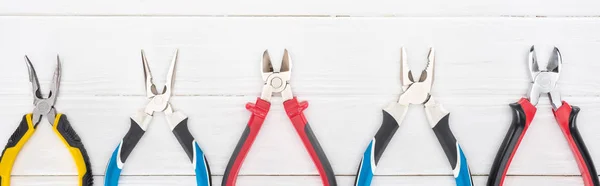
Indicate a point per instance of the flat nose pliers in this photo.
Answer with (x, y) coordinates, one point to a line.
(60, 125)
(278, 82)
(543, 82)
(158, 102)
(418, 93)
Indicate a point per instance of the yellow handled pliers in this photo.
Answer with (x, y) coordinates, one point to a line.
(60, 125)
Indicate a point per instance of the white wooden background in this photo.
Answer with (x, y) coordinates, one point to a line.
(346, 64)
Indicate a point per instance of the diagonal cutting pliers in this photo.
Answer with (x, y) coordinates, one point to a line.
(543, 82)
(417, 93)
(60, 125)
(278, 82)
(158, 102)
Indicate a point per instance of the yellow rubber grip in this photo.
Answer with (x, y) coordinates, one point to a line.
(81, 159)
(9, 154)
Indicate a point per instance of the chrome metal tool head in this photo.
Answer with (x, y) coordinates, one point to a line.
(276, 81)
(416, 92)
(544, 81)
(44, 106)
(159, 102)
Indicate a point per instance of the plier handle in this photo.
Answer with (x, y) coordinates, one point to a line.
(277, 82)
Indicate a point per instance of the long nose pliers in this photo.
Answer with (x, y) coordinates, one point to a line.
(417, 93)
(158, 102)
(60, 125)
(543, 82)
(278, 82)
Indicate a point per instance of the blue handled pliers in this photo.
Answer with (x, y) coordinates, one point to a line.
(416, 93)
(158, 102)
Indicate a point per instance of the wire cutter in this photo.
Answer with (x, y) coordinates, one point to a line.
(543, 82)
(158, 102)
(417, 93)
(60, 125)
(278, 82)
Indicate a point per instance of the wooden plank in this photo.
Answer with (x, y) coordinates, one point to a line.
(423, 8)
(217, 122)
(297, 180)
(347, 56)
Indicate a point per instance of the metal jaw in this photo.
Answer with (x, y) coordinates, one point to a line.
(276, 81)
(159, 102)
(545, 81)
(416, 92)
(44, 106)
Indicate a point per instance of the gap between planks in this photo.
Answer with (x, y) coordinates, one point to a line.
(303, 16)
(309, 175)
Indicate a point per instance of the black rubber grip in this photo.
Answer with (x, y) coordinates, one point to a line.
(131, 139)
(508, 146)
(235, 155)
(384, 135)
(185, 138)
(66, 131)
(581, 146)
(321, 154)
(17, 135)
(447, 140)
(14, 139)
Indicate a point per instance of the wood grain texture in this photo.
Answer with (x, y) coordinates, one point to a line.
(424, 8)
(347, 68)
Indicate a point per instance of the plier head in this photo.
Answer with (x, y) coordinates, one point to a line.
(159, 101)
(276, 81)
(416, 92)
(544, 81)
(44, 106)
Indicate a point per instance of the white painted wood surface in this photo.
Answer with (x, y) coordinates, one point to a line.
(346, 67)
(402, 8)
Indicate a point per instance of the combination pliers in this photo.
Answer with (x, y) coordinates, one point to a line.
(543, 82)
(60, 125)
(278, 82)
(417, 93)
(158, 102)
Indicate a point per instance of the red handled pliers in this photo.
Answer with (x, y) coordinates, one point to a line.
(543, 82)
(278, 82)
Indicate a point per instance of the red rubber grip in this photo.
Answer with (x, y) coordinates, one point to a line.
(294, 110)
(563, 116)
(259, 111)
(530, 111)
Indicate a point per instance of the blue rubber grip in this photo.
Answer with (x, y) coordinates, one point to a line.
(367, 167)
(453, 152)
(113, 172)
(376, 147)
(464, 176)
(202, 170)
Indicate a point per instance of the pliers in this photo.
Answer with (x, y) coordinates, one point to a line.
(543, 82)
(158, 102)
(278, 82)
(417, 93)
(60, 125)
